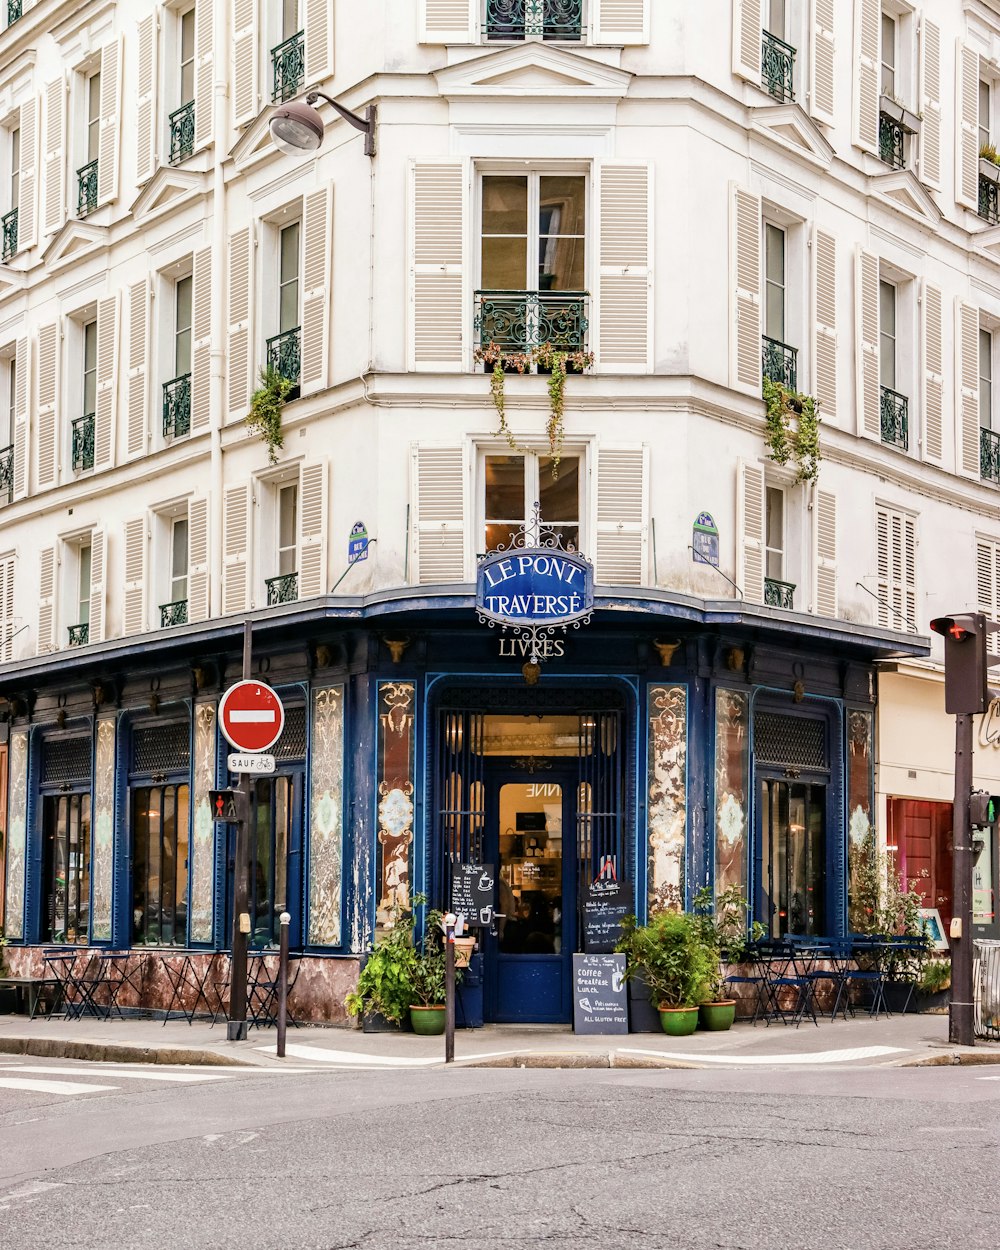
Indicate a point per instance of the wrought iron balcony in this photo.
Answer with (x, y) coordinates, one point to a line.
(777, 66)
(283, 589)
(284, 355)
(288, 63)
(9, 222)
(779, 594)
(7, 473)
(891, 141)
(181, 133)
(86, 189)
(83, 442)
(989, 200)
(520, 19)
(779, 363)
(175, 613)
(989, 455)
(14, 8)
(895, 421)
(79, 635)
(177, 406)
(516, 321)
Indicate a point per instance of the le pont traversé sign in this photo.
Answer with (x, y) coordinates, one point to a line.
(534, 586)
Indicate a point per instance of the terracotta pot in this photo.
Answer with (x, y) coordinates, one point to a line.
(464, 946)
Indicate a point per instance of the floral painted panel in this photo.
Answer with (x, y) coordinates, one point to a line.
(732, 768)
(102, 855)
(326, 816)
(204, 829)
(16, 836)
(667, 796)
(860, 840)
(395, 794)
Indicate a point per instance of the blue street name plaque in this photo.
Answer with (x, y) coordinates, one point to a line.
(534, 586)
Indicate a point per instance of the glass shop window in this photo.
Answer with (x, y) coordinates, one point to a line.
(159, 865)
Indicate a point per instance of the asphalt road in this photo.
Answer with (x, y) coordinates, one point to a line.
(865, 1159)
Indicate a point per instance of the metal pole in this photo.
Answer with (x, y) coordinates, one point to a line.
(237, 1028)
(960, 1015)
(284, 920)
(449, 994)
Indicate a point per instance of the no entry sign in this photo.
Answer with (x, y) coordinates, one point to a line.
(251, 716)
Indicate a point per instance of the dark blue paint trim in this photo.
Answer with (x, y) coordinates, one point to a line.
(121, 907)
(33, 887)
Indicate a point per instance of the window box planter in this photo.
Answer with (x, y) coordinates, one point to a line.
(910, 122)
(989, 171)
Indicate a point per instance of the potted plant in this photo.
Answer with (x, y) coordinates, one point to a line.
(674, 963)
(722, 930)
(934, 985)
(428, 979)
(384, 991)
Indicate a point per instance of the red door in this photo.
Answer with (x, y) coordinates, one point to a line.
(921, 833)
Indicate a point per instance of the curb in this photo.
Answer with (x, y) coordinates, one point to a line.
(114, 1052)
(954, 1058)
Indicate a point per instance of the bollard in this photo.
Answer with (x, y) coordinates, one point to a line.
(449, 990)
(284, 920)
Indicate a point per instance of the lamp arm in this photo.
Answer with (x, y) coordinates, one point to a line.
(365, 124)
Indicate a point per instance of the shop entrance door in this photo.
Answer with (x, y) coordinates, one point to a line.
(791, 870)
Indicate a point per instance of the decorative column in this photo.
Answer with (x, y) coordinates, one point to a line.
(732, 768)
(326, 817)
(667, 779)
(17, 808)
(201, 862)
(102, 854)
(861, 850)
(395, 795)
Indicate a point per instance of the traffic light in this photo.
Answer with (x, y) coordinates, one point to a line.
(965, 661)
(984, 809)
(228, 805)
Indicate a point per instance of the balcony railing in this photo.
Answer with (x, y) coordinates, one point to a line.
(83, 442)
(989, 200)
(177, 406)
(516, 321)
(175, 613)
(283, 589)
(13, 11)
(181, 133)
(86, 189)
(79, 635)
(9, 222)
(891, 141)
(7, 473)
(777, 66)
(288, 62)
(989, 455)
(895, 421)
(547, 19)
(779, 363)
(778, 594)
(284, 354)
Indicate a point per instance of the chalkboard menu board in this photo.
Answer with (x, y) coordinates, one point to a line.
(600, 994)
(473, 892)
(605, 906)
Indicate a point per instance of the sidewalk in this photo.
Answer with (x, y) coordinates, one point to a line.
(909, 1040)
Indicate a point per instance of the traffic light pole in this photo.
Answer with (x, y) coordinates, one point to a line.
(961, 1028)
(237, 1027)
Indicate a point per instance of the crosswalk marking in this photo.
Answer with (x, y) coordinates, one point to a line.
(348, 1058)
(52, 1087)
(180, 1078)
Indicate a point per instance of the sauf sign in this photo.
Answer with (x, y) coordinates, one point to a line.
(534, 587)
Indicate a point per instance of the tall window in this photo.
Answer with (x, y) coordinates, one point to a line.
(889, 48)
(985, 115)
(179, 559)
(887, 334)
(514, 483)
(775, 17)
(288, 529)
(774, 282)
(182, 326)
(66, 868)
(8, 377)
(534, 232)
(90, 368)
(187, 56)
(15, 168)
(269, 858)
(986, 379)
(289, 18)
(84, 568)
(93, 117)
(160, 865)
(288, 278)
(774, 529)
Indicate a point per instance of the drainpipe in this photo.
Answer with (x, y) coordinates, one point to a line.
(220, 104)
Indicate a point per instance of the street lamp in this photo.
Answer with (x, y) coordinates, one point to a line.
(297, 127)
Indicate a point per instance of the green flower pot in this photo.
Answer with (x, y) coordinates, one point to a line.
(427, 1021)
(679, 1021)
(717, 1017)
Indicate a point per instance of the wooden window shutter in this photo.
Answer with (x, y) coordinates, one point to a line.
(111, 87)
(622, 310)
(138, 378)
(930, 104)
(317, 231)
(895, 541)
(748, 37)
(55, 155)
(438, 195)
(967, 399)
(988, 586)
(201, 333)
(21, 391)
(27, 199)
(98, 584)
(750, 532)
(625, 22)
(47, 600)
(236, 549)
(449, 21)
(146, 115)
(931, 305)
(246, 88)
(622, 516)
(313, 575)
(9, 624)
(48, 355)
(134, 610)
(867, 58)
(241, 259)
(967, 111)
(825, 554)
(869, 394)
(822, 67)
(439, 477)
(204, 72)
(745, 351)
(319, 40)
(824, 261)
(198, 603)
(107, 382)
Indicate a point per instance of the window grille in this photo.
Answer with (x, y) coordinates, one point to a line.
(292, 743)
(66, 759)
(789, 740)
(162, 748)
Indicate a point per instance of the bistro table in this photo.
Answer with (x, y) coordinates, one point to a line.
(182, 973)
(28, 991)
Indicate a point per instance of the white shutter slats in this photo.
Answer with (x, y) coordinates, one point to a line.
(138, 381)
(146, 125)
(867, 28)
(932, 306)
(750, 531)
(623, 301)
(198, 601)
(319, 40)
(27, 196)
(317, 227)
(439, 529)
(620, 548)
(448, 21)
(867, 321)
(625, 22)
(437, 228)
(134, 611)
(107, 379)
(824, 259)
(246, 89)
(312, 530)
(47, 600)
(748, 35)
(967, 377)
(967, 111)
(201, 334)
(241, 257)
(98, 585)
(825, 554)
(236, 549)
(988, 586)
(22, 367)
(930, 103)
(55, 155)
(108, 145)
(204, 67)
(895, 548)
(745, 293)
(9, 623)
(48, 354)
(822, 75)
